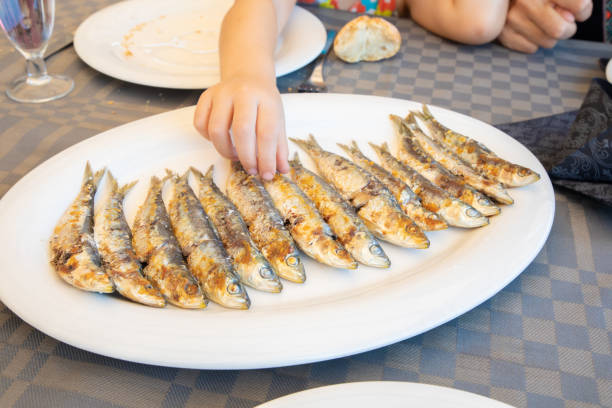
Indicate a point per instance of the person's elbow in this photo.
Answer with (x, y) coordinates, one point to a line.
(482, 29)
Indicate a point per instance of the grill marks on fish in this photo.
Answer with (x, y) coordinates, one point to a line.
(374, 204)
(114, 240)
(265, 223)
(155, 244)
(254, 270)
(411, 154)
(453, 163)
(406, 198)
(478, 155)
(453, 211)
(310, 232)
(74, 254)
(345, 224)
(206, 257)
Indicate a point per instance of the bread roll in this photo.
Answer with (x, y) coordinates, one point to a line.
(367, 39)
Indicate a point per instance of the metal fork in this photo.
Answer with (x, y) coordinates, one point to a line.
(316, 83)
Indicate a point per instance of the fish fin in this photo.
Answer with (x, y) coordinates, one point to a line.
(126, 188)
(170, 174)
(237, 166)
(346, 148)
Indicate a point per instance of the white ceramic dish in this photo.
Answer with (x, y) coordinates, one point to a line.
(388, 394)
(609, 71)
(335, 313)
(174, 44)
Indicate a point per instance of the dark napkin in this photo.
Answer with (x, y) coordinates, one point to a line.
(575, 147)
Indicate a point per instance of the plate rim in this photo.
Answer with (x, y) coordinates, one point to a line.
(321, 356)
(404, 389)
(169, 82)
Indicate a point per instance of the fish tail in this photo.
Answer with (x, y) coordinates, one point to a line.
(113, 182)
(97, 177)
(426, 115)
(346, 148)
(156, 183)
(296, 160)
(196, 172)
(126, 188)
(209, 172)
(236, 166)
(309, 145)
(411, 118)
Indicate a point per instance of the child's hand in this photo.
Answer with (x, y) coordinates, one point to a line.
(251, 107)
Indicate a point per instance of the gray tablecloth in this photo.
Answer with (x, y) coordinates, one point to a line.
(543, 341)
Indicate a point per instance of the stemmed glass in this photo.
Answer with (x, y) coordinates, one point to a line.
(28, 25)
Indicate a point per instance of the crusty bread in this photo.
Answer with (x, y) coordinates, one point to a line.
(367, 39)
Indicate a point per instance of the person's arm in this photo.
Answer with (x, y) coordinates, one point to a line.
(246, 99)
(464, 21)
(532, 24)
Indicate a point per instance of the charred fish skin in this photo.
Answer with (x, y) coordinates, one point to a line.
(155, 244)
(265, 224)
(74, 254)
(374, 204)
(453, 163)
(350, 231)
(114, 240)
(254, 270)
(478, 155)
(406, 198)
(455, 212)
(411, 154)
(206, 258)
(310, 232)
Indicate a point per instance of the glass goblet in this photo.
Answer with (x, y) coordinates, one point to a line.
(28, 24)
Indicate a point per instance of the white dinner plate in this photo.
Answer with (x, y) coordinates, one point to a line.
(387, 394)
(335, 313)
(609, 71)
(173, 44)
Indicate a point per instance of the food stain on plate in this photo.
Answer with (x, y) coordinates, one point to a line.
(184, 43)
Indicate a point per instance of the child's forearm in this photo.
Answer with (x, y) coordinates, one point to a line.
(248, 37)
(465, 21)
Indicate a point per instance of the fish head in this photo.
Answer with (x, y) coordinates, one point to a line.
(372, 254)
(523, 176)
(459, 214)
(230, 293)
(291, 268)
(264, 278)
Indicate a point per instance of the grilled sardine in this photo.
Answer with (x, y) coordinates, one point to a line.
(310, 232)
(372, 201)
(406, 198)
(155, 244)
(265, 224)
(478, 155)
(206, 258)
(340, 216)
(254, 270)
(74, 254)
(411, 154)
(114, 240)
(455, 212)
(453, 163)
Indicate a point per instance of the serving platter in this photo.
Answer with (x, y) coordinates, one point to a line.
(334, 313)
(389, 394)
(174, 44)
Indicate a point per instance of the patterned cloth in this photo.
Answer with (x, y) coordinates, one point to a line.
(575, 147)
(378, 7)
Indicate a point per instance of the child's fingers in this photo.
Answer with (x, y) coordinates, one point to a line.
(282, 152)
(268, 130)
(219, 125)
(202, 113)
(243, 129)
(515, 41)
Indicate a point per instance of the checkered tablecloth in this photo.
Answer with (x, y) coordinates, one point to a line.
(543, 341)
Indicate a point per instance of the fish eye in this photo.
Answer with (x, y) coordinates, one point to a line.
(234, 288)
(484, 201)
(266, 273)
(375, 249)
(523, 172)
(292, 260)
(340, 251)
(471, 212)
